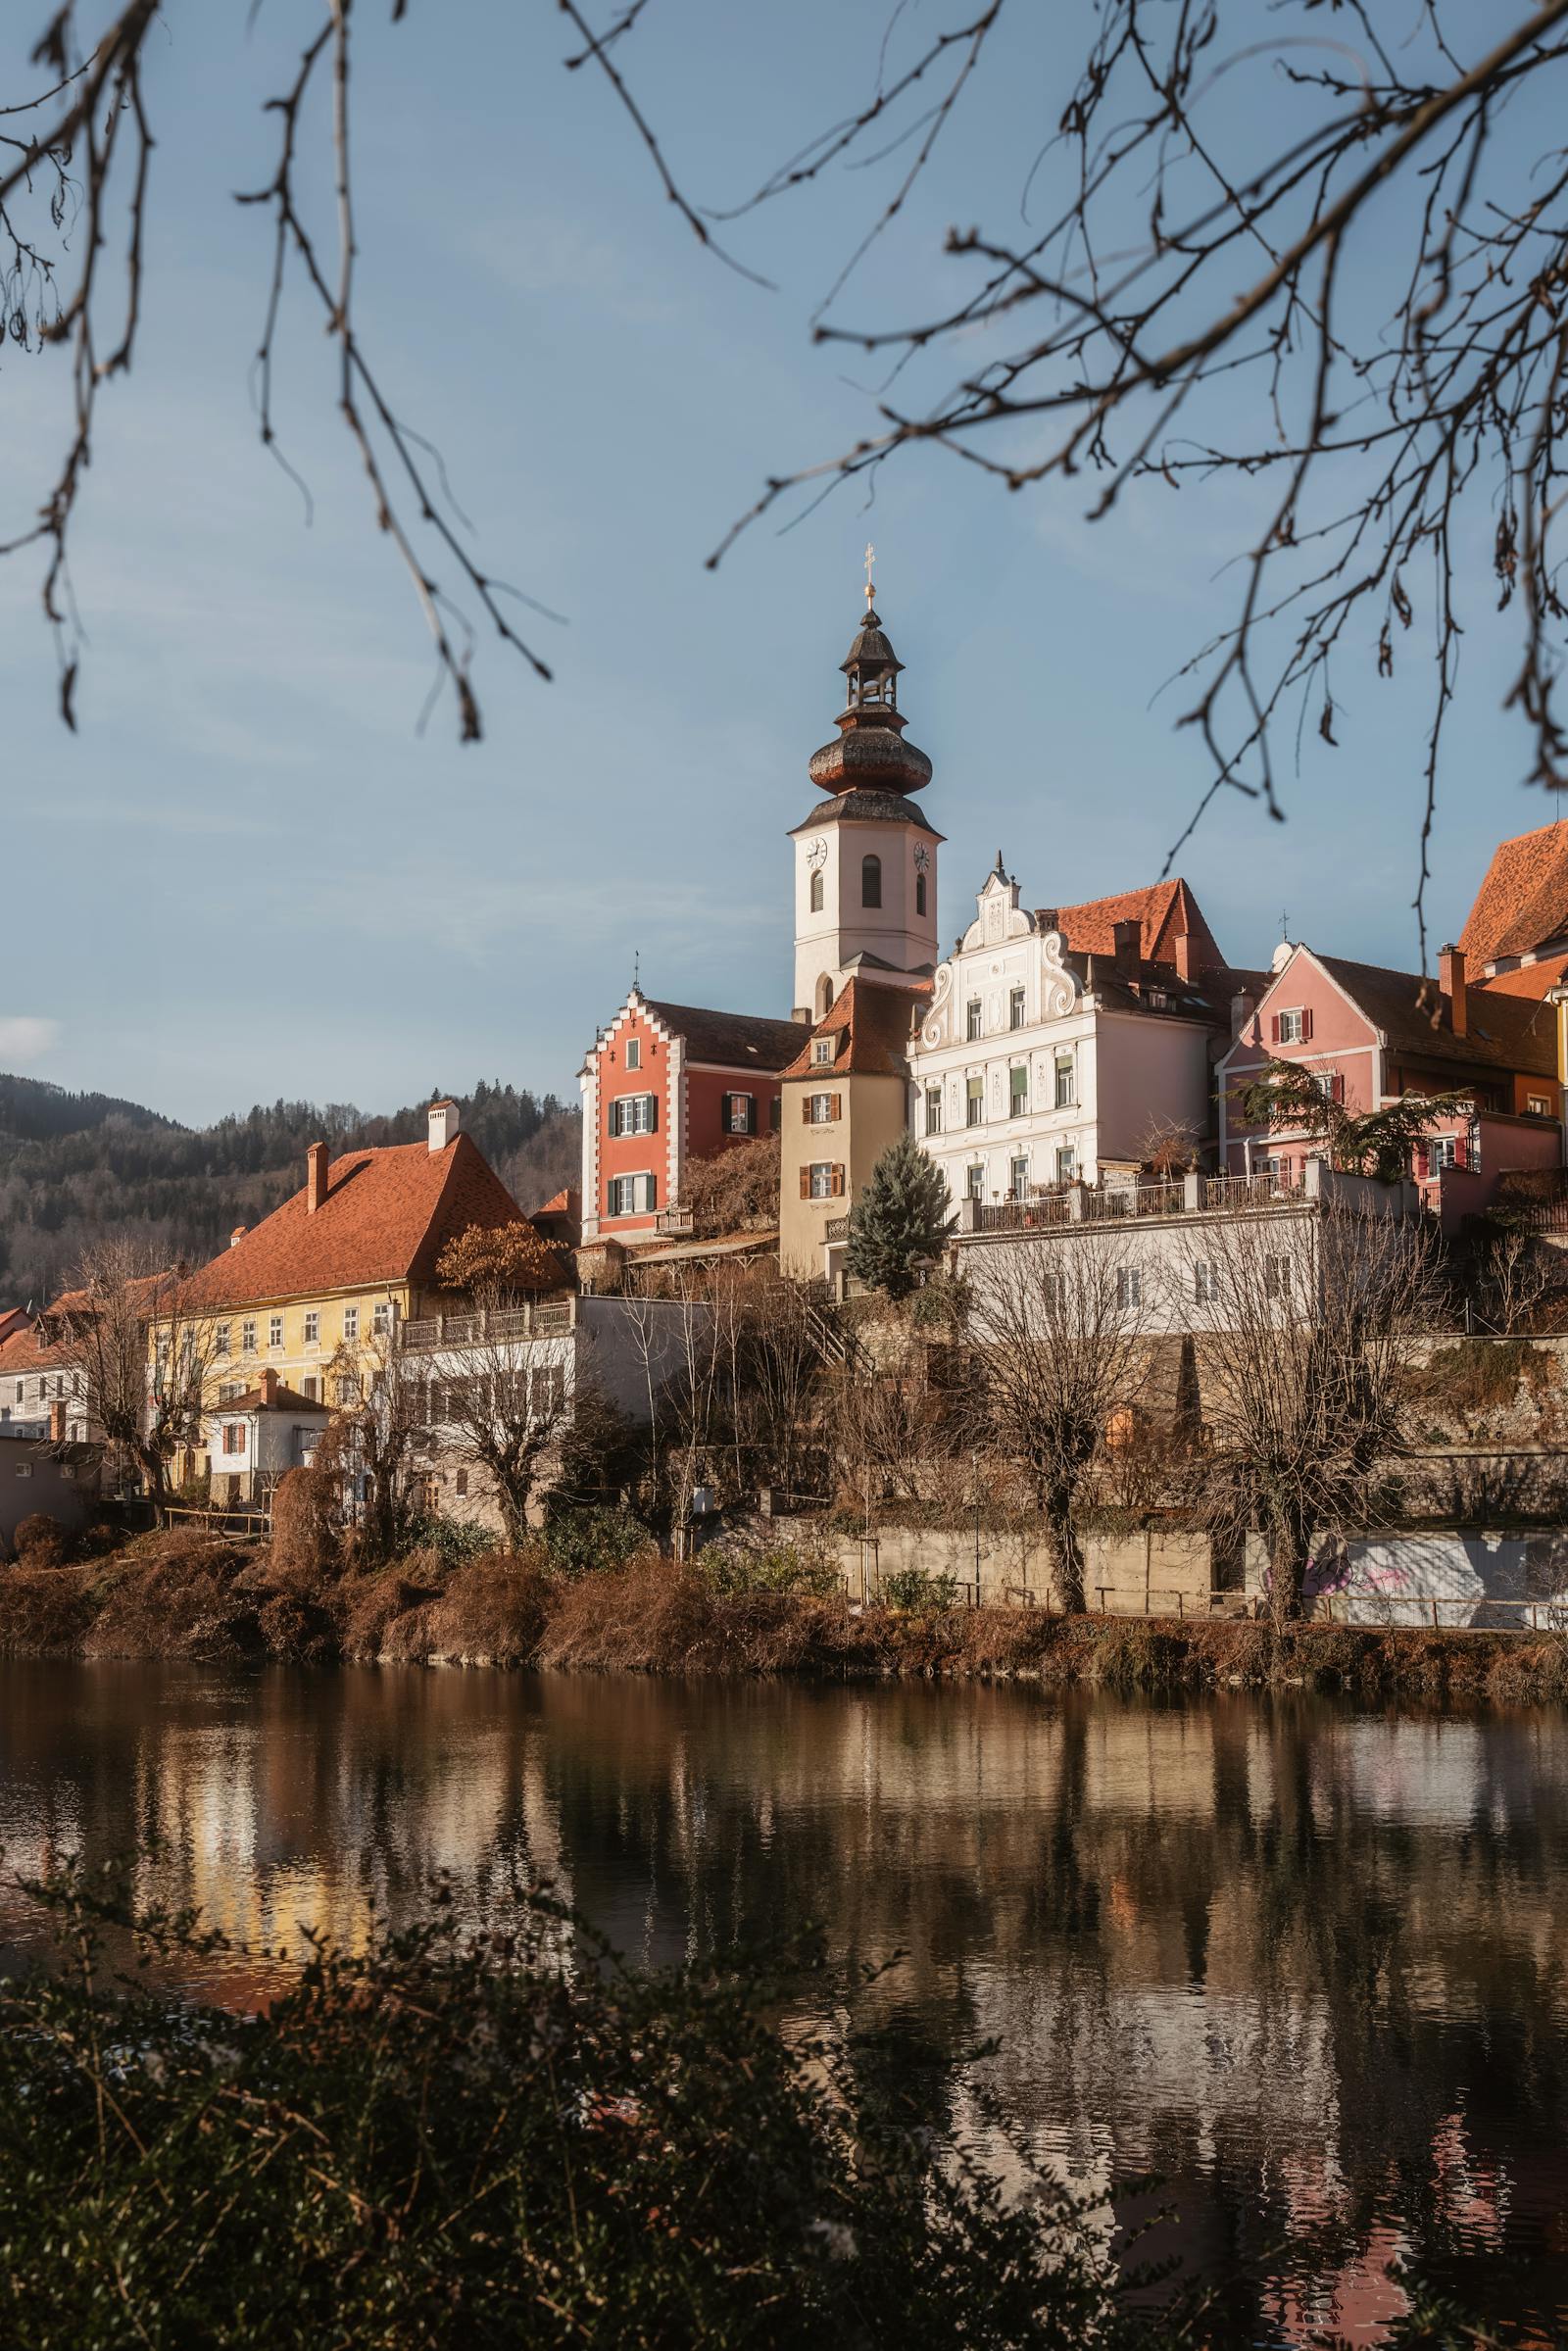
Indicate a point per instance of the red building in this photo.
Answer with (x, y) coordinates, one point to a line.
(664, 1086)
(1370, 1036)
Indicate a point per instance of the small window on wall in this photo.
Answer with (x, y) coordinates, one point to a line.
(775, 1115)
(219, 1346)
(381, 1319)
(312, 1328)
(974, 1102)
(1203, 1282)
(233, 1436)
(933, 1109)
(630, 1195)
(634, 1053)
(1538, 1105)
(740, 1113)
(1018, 1092)
(1015, 1002)
(274, 1330)
(351, 1322)
(816, 894)
(822, 1179)
(919, 893)
(870, 881)
(972, 1028)
(1064, 1088)
(974, 1182)
(1292, 1028)
(1019, 1183)
(822, 1052)
(247, 1337)
(1066, 1164)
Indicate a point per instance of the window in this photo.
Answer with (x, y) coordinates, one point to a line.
(1203, 1282)
(274, 1330)
(347, 1386)
(823, 1051)
(1443, 1153)
(311, 1389)
(1016, 1009)
(1019, 1180)
(634, 1053)
(1279, 1170)
(1276, 1277)
(548, 1390)
(1129, 1287)
(381, 1318)
(820, 1180)
(462, 1484)
(233, 1437)
(933, 1109)
(313, 1327)
(870, 881)
(974, 1102)
(974, 1182)
(351, 1322)
(634, 1114)
(1538, 1105)
(1018, 1092)
(822, 1109)
(228, 1390)
(1292, 1028)
(972, 1019)
(247, 1337)
(775, 1115)
(740, 1113)
(220, 1341)
(816, 894)
(919, 893)
(631, 1196)
(1064, 1084)
(1066, 1164)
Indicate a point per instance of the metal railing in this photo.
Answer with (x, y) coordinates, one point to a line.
(548, 1318)
(1262, 1191)
(837, 1228)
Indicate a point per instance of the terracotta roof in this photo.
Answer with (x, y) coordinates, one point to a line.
(564, 1203)
(731, 1040)
(1528, 979)
(23, 1351)
(1503, 1032)
(1163, 912)
(386, 1217)
(282, 1400)
(1523, 901)
(869, 1023)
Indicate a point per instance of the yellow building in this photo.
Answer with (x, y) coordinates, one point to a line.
(316, 1293)
(846, 1097)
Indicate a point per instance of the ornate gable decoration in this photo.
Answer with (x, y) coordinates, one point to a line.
(998, 916)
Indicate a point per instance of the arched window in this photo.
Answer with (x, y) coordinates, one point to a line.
(824, 997)
(919, 893)
(816, 894)
(870, 881)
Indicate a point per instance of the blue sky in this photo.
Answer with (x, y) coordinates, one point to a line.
(249, 875)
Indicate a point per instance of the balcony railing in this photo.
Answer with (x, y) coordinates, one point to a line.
(672, 1220)
(1111, 1204)
(547, 1319)
(837, 1228)
(1260, 1191)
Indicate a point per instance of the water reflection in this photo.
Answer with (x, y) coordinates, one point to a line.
(1303, 1963)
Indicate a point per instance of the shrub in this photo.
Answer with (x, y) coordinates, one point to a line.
(809, 1569)
(579, 1542)
(447, 2142)
(922, 1595)
(449, 1540)
(305, 1531)
(41, 1540)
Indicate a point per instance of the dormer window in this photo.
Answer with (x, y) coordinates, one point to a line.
(870, 881)
(823, 1051)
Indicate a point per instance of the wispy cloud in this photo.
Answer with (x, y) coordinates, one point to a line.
(24, 1037)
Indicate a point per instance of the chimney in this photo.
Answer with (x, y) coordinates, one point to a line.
(1128, 937)
(1184, 955)
(1242, 1004)
(1452, 984)
(238, 1234)
(315, 1177)
(268, 1384)
(443, 1125)
(1048, 918)
(57, 1422)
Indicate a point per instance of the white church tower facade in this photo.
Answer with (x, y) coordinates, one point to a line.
(865, 858)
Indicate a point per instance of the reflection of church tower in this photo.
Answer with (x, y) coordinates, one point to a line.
(865, 863)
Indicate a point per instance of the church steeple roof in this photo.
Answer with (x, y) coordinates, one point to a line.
(870, 752)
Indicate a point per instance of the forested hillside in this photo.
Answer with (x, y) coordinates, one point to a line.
(74, 1167)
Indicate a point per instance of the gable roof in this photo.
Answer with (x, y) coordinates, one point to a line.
(1503, 1032)
(386, 1217)
(1163, 912)
(732, 1040)
(1528, 979)
(870, 1023)
(281, 1399)
(1523, 899)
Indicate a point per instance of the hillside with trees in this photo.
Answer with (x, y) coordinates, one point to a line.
(76, 1169)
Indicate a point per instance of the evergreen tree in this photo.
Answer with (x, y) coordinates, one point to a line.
(899, 1221)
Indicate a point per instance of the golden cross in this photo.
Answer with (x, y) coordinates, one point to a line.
(870, 558)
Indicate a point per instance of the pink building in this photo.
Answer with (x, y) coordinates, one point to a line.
(1371, 1036)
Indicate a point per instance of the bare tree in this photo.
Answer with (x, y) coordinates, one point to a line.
(1516, 1277)
(503, 1402)
(1305, 1373)
(144, 1354)
(377, 1428)
(1061, 1329)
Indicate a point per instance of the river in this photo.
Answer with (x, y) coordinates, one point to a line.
(1304, 1963)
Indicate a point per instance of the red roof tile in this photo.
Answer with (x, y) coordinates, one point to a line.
(1523, 901)
(1527, 979)
(1163, 912)
(870, 1022)
(281, 1399)
(1501, 1032)
(386, 1217)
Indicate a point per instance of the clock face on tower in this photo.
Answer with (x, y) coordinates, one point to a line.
(922, 858)
(817, 853)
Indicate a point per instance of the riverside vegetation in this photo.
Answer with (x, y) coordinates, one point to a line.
(594, 1594)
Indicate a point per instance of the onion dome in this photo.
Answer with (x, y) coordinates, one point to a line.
(870, 751)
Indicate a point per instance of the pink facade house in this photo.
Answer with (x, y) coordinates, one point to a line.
(1370, 1036)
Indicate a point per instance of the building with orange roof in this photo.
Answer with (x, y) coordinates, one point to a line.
(846, 1098)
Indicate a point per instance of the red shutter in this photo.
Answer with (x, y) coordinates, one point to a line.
(1461, 1151)
(836, 1106)
(1307, 1024)
(1274, 1028)
(1421, 1159)
(838, 1183)
(806, 1183)
(1337, 1086)
(806, 1110)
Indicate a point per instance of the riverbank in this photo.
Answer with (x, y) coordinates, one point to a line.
(181, 1595)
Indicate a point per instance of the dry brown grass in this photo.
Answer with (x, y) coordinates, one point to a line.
(177, 1595)
(45, 1611)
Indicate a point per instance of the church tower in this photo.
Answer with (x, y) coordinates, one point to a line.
(865, 859)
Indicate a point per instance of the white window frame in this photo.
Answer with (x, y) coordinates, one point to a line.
(631, 1195)
(1064, 1091)
(1129, 1289)
(219, 1342)
(247, 1336)
(312, 1326)
(1018, 1176)
(274, 1333)
(1538, 1105)
(822, 1052)
(820, 1180)
(1290, 1035)
(351, 1322)
(973, 1020)
(1202, 1281)
(1018, 1013)
(819, 1110)
(381, 1318)
(974, 1179)
(634, 1053)
(1067, 1163)
(933, 1109)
